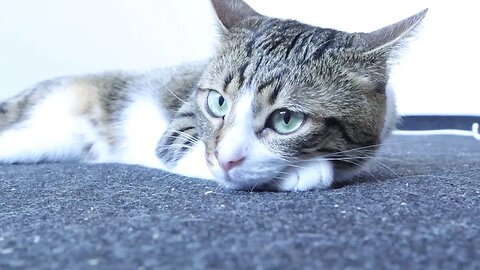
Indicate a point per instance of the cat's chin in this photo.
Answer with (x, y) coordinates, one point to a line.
(242, 183)
(248, 176)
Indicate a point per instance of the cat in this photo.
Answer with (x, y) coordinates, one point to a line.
(281, 106)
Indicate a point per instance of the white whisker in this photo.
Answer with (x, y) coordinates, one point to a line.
(171, 92)
(183, 135)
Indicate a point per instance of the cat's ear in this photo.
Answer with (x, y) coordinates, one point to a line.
(233, 13)
(390, 37)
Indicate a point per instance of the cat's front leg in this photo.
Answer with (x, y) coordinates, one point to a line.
(307, 175)
(180, 149)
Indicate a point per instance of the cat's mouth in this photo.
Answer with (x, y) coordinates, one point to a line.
(252, 174)
(244, 183)
(248, 177)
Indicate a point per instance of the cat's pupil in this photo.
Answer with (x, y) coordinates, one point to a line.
(221, 101)
(286, 117)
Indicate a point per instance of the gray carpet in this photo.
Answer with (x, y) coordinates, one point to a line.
(420, 210)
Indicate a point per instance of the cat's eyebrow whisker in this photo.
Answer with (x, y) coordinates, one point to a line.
(171, 92)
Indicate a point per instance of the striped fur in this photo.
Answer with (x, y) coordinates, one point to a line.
(338, 80)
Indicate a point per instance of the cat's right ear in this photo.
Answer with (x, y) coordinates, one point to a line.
(233, 13)
(393, 36)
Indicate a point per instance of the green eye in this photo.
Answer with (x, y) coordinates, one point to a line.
(216, 104)
(285, 121)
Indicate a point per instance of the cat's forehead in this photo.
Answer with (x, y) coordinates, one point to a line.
(286, 41)
(282, 51)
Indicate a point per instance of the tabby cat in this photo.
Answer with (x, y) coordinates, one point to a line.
(281, 106)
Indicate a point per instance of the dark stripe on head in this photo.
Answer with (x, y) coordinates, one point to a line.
(259, 62)
(185, 115)
(264, 43)
(241, 74)
(302, 47)
(265, 84)
(274, 44)
(303, 42)
(292, 45)
(326, 45)
(228, 80)
(251, 43)
(275, 92)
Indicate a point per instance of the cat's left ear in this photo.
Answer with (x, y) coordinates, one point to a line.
(234, 13)
(391, 37)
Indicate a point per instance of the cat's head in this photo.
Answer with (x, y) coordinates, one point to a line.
(279, 92)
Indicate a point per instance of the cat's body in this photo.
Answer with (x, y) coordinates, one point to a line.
(105, 118)
(282, 106)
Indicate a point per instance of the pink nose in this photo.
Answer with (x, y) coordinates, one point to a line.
(227, 165)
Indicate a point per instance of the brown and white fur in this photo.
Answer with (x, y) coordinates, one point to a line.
(264, 67)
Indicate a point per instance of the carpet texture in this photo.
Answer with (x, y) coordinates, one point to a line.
(419, 208)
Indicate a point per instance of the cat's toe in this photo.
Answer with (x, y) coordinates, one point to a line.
(289, 183)
(310, 184)
(310, 176)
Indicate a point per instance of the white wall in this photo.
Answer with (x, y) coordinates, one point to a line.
(49, 38)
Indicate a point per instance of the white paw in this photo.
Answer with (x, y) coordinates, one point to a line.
(305, 176)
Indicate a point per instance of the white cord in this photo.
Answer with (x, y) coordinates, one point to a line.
(475, 132)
